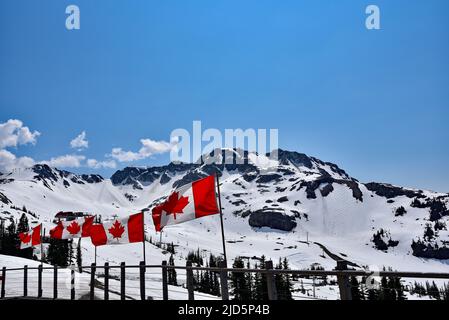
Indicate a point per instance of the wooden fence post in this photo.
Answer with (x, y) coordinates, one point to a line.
(271, 283)
(343, 281)
(55, 282)
(25, 280)
(189, 274)
(39, 281)
(142, 279)
(122, 281)
(2, 292)
(164, 281)
(92, 281)
(106, 281)
(224, 280)
(72, 284)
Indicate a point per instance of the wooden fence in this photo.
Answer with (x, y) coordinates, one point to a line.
(341, 272)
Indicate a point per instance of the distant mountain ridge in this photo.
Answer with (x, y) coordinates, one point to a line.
(294, 194)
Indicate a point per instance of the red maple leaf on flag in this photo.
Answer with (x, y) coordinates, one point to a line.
(25, 237)
(74, 228)
(117, 229)
(175, 204)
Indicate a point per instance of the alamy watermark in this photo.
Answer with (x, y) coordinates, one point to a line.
(202, 146)
(372, 22)
(73, 20)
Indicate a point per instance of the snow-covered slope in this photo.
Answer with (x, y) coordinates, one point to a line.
(270, 208)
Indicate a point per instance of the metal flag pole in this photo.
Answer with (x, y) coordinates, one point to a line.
(160, 239)
(95, 255)
(42, 246)
(221, 219)
(143, 231)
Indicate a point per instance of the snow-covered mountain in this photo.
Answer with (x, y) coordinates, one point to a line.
(297, 207)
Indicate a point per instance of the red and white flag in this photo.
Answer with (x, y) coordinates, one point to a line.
(77, 228)
(191, 201)
(119, 231)
(31, 238)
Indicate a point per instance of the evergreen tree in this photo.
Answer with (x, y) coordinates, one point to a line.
(79, 260)
(215, 283)
(239, 287)
(23, 226)
(171, 273)
(58, 252)
(433, 291)
(71, 256)
(260, 282)
(11, 240)
(355, 289)
(399, 289)
(249, 281)
(445, 292)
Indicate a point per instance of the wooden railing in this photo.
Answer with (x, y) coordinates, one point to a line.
(341, 272)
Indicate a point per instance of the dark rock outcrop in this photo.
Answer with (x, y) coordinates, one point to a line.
(272, 219)
(389, 191)
(4, 199)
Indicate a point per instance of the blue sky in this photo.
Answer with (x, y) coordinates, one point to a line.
(375, 102)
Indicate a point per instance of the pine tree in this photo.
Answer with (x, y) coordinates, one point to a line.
(249, 281)
(396, 283)
(260, 282)
(79, 260)
(70, 253)
(23, 226)
(288, 286)
(445, 292)
(355, 289)
(215, 283)
(238, 283)
(172, 280)
(11, 240)
(58, 252)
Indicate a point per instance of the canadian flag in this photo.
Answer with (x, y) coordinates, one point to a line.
(119, 231)
(77, 228)
(30, 238)
(191, 201)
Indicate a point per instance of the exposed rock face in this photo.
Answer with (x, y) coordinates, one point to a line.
(4, 199)
(50, 175)
(389, 191)
(137, 176)
(272, 219)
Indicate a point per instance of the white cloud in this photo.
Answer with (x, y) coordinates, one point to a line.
(80, 141)
(13, 133)
(8, 161)
(149, 148)
(66, 161)
(95, 164)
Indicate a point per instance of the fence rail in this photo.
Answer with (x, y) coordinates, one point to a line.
(341, 272)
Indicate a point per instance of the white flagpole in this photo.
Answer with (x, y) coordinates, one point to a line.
(42, 247)
(143, 231)
(221, 219)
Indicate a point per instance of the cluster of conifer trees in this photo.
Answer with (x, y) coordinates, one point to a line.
(58, 252)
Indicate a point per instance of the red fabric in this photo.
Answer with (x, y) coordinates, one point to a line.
(36, 236)
(204, 197)
(156, 214)
(135, 227)
(87, 225)
(98, 235)
(25, 237)
(56, 232)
